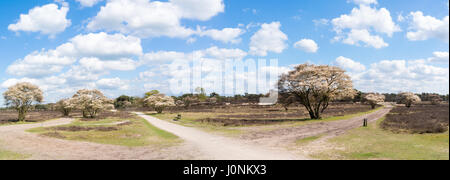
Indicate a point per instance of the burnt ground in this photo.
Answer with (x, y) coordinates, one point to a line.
(418, 119)
(34, 116)
(260, 115)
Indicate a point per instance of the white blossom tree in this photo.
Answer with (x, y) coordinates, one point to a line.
(91, 102)
(316, 86)
(374, 99)
(66, 106)
(21, 96)
(159, 102)
(408, 99)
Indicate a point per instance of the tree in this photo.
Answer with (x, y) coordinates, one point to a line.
(91, 102)
(66, 106)
(408, 99)
(374, 99)
(151, 93)
(123, 102)
(286, 99)
(316, 86)
(159, 102)
(435, 99)
(21, 96)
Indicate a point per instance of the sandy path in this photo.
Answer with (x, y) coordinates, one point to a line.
(220, 148)
(14, 138)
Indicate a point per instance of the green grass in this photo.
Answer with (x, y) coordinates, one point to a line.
(374, 143)
(139, 133)
(307, 140)
(8, 155)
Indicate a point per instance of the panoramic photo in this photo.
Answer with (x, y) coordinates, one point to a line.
(216, 80)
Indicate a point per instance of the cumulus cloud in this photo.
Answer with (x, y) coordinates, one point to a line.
(399, 75)
(268, 39)
(48, 19)
(361, 22)
(349, 64)
(103, 45)
(307, 45)
(88, 3)
(97, 65)
(226, 35)
(427, 27)
(199, 9)
(38, 64)
(97, 47)
(112, 84)
(355, 36)
(144, 18)
(439, 57)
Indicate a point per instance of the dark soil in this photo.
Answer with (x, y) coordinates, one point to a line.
(419, 119)
(110, 114)
(257, 115)
(243, 122)
(34, 116)
(81, 128)
(54, 135)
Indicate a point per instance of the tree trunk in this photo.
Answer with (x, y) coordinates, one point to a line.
(373, 106)
(85, 114)
(22, 115)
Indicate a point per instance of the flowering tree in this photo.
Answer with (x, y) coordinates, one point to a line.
(374, 98)
(159, 102)
(316, 86)
(408, 99)
(66, 106)
(91, 102)
(21, 96)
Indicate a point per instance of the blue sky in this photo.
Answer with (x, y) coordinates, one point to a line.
(386, 46)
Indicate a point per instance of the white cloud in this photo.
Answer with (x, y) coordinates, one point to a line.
(268, 39)
(199, 9)
(97, 65)
(162, 56)
(47, 19)
(321, 22)
(362, 21)
(349, 64)
(38, 64)
(226, 35)
(144, 18)
(221, 53)
(307, 45)
(439, 57)
(402, 75)
(88, 3)
(115, 48)
(112, 84)
(356, 36)
(426, 27)
(103, 45)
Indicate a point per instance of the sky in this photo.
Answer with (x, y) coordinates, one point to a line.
(131, 46)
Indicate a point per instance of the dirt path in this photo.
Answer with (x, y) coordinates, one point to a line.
(286, 137)
(14, 138)
(218, 147)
